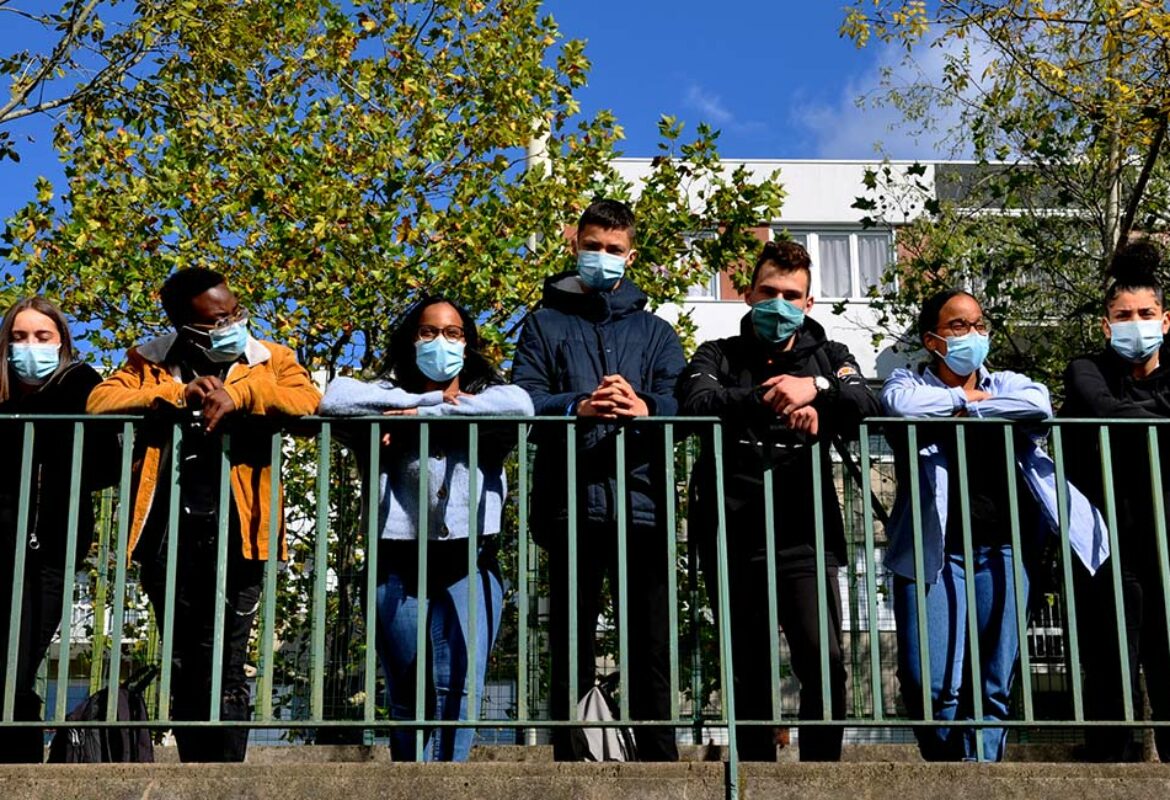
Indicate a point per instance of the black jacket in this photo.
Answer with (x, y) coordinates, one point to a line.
(48, 516)
(1102, 385)
(565, 349)
(723, 380)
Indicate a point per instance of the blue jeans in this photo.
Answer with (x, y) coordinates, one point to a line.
(946, 636)
(447, 618)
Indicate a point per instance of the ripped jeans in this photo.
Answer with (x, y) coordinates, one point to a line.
(194, 620)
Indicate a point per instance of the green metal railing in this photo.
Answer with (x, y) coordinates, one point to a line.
(294, 626)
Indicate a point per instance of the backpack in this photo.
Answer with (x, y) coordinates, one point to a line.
(98, 745)
(602, 744)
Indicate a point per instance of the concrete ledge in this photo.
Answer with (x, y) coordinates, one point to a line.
(548, 781)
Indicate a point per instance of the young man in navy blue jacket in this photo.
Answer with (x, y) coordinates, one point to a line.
(592, 351)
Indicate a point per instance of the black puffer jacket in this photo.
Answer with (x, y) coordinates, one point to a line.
(723, 380)
(565, 349)
(64, 393)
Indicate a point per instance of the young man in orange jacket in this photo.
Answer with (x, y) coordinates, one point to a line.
(212, 377)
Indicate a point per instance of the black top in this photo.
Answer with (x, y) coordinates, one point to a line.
(723, 379)
(987, 490)
(64, 393)
(1102, 385)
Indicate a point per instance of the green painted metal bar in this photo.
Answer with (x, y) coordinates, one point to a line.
(671, 565)
(919, 570)
(473, 577)
(773, 599)
(1070, 604)
(694, 597)
(168, 620)
(66, 628)
(969, 581)
(1115, 566)
(121, 561)
(875, 649)
(1159, 504)
(1018, 573)
(267, 677)
(424, 536)
(101, 591)
(320, 578)
(218, 632)
(623, 586)
(523, 573)
(373, 488)
(723, 602)
(822, 588)
(20, 547)
(571, 506)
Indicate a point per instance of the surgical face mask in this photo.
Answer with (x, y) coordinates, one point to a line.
(966, 353)
(600, 270)
(227, 344)
(34, 362)
(1136, 341)
(439, 359)
(776, 320)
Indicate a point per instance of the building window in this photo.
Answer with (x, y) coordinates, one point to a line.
(708, 287)
(847, 264)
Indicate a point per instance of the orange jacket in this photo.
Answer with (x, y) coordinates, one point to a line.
(270, 382)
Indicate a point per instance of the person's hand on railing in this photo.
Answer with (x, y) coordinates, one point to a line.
(977, 395)
(217, 404)
(198, 389)
(613, 398)
(804, 420)
(787, 393)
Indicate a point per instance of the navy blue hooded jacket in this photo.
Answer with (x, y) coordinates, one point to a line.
(567, 346)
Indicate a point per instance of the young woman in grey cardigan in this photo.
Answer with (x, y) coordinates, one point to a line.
(434, 369)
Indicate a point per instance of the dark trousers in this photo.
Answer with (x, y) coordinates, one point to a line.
(194, 620)
(1148, 649)
(647, 616)
(796, 600)
(41, 605)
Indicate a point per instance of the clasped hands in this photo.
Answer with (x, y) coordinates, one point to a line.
(791, 397)
(613, 398)
(208, 394)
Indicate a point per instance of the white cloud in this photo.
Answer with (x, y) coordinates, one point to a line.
(848, 127)
(714, 111)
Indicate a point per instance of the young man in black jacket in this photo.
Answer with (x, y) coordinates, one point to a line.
(780, 387)
(594, 352)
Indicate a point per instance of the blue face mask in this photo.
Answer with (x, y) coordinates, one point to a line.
(439, 359)
(228, 344)
(966, 353)
(600, 270)
(776, 320)
(34, 362)
(1136, 341)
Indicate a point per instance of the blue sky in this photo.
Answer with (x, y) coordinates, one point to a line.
(774, 78)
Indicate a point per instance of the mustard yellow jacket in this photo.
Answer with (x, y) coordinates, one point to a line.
(268, 381)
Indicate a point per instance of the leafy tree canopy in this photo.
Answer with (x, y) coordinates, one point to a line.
(338, 160)
(1064, 105)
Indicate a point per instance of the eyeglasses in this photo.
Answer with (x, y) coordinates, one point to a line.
(452, 333)
(961, 327)
(237, 316)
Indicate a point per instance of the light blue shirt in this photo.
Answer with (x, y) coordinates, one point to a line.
(448, 468)
(908, 393)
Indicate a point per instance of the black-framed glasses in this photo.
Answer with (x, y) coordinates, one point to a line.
(961, 327)
(428, 333)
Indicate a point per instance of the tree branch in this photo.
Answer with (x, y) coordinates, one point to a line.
(66, 44)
